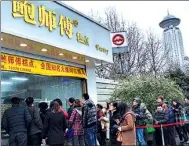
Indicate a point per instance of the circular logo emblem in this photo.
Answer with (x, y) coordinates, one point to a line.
(118, 39)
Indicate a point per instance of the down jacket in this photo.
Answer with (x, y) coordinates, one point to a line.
(89, 114)
(16, 119)
(161, 117)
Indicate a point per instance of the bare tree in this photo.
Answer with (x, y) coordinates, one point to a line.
(95, 16)
(156, 54)
(136, 55)
(112, 21)
(144, 56)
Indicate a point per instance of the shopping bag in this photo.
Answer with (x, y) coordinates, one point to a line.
(150, 129)
(70, 133)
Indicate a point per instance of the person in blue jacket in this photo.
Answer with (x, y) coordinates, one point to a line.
(170, 129)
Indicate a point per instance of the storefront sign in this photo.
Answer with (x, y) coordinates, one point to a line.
(46, 18)
(55, 24)
(32, 66)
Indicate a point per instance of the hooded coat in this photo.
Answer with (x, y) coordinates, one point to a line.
(128, 129)
(143, 116)
(148, 120)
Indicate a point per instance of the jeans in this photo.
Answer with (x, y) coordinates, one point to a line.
(90, 136)
(78, 140)
(18, 139)
(34, 140)
(140, 137)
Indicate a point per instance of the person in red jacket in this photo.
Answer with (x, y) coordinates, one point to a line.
(61, 108)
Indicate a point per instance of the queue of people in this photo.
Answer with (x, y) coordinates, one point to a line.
(145, 134)
(88, 124)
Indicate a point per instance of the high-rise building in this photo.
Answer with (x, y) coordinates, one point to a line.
(186, 65)
(173, 42)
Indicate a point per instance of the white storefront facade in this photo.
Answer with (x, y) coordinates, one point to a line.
(49, 50)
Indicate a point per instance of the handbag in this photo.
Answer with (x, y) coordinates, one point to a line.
(70, 133)
(150, 129)
(119, 137)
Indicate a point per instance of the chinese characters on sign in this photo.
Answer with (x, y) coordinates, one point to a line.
(19, 61)
(27, 65)
(61, 68)
(47, 19)
(25, 10)
(82, 39)
(66, 26)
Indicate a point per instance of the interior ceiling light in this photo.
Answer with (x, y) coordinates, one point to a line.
(74, 57)
(1, 38)
(86, 60)
(61, 54)
(5, 83)
(19, 79)
(23, 45)
(44, 50)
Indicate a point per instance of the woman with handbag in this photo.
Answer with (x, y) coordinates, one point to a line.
(126, 131)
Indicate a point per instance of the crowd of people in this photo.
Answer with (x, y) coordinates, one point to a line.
(85, 123)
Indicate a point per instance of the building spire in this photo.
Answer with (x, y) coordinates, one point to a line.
(167, 11)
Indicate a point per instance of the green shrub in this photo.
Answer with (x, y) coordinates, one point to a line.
(148, 89)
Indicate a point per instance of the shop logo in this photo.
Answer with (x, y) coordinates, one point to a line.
(118, 39)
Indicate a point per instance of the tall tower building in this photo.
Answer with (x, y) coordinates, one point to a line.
(186, 65)
(173, 42)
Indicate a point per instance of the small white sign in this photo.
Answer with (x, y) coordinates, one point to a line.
(118, 39)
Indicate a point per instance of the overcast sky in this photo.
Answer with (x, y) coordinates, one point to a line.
(147, 14)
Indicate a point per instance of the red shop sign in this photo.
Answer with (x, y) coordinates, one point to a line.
(118, 39)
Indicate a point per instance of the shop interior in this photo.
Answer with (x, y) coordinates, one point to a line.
(39, 87)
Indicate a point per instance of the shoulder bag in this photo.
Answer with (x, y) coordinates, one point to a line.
(70, 132)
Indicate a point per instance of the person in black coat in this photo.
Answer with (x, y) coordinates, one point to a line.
(55, 126)
(161, 117)
(71, 102)
(16, 122)
(43, 106)
(34, 133)
(114, 117)
(179, 117)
